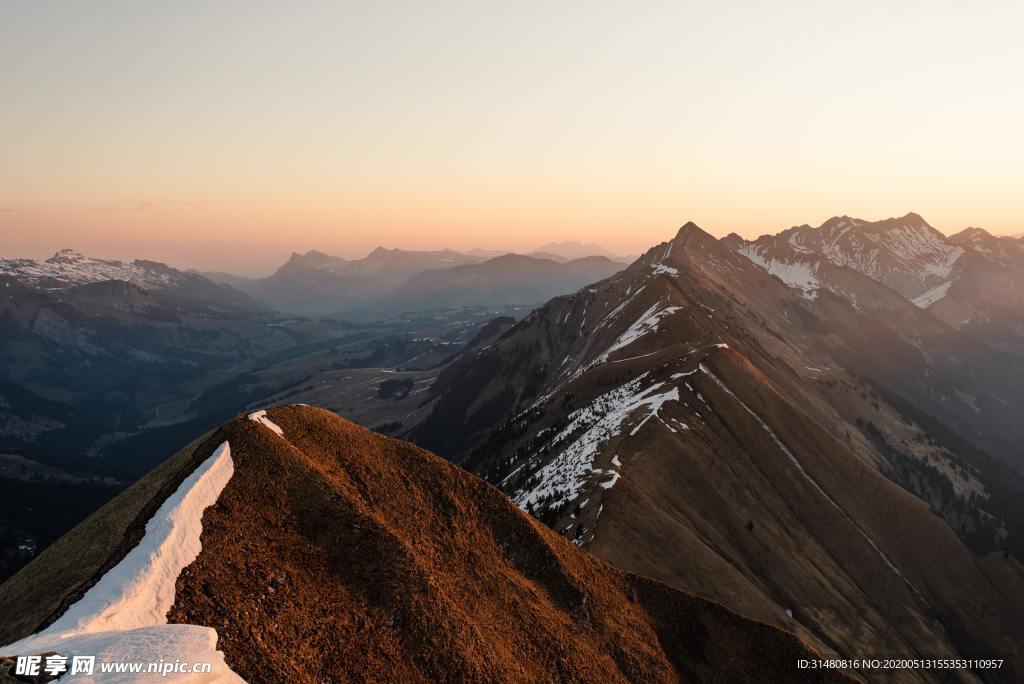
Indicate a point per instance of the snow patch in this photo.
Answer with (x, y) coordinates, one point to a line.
(261, 417)
(647, 323)
(796, 274)
(68, 268)
(933, 295)
(124, 615)
(563, 478)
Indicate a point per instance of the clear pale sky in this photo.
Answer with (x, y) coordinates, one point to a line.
(226, 134)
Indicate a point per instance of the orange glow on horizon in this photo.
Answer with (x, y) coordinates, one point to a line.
(175, 134)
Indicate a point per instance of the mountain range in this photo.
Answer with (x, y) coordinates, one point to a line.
(971, 285)
(814, 432)
(507, 280)
(317, 283)
(107, 368)
(572, 249)
(389, 282)
(754, 422)
(68, 270)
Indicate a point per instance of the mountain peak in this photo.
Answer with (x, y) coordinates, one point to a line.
(732, 241)
(692, 234)
(970, 234)
(835, 222)
(915, 218)
(314, 258)
(310, 254)
(66, 256)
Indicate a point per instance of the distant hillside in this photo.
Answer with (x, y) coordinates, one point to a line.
(571, 249)
(507, 280)
(318, 283)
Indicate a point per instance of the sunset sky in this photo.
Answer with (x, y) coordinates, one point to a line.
(225, 135)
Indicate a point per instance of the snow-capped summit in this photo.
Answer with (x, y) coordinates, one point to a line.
(121, 285)
(68, 268)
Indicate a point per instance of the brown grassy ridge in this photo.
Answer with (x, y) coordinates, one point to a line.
(335, 554)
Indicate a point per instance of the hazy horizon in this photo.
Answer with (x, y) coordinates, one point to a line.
(230, 135)
(117, 248)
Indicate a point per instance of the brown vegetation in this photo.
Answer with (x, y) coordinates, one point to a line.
(336, 554)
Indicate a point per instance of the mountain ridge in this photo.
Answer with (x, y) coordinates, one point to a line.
(704, 386)
(333, 552)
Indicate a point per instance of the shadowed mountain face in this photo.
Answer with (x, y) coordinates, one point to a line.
(94, 352)
(83, 358)
(987, 297)
(332, 553)
(966, 370)
(697, 420)
(88, 347)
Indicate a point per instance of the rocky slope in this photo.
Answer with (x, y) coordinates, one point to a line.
(327, 552)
